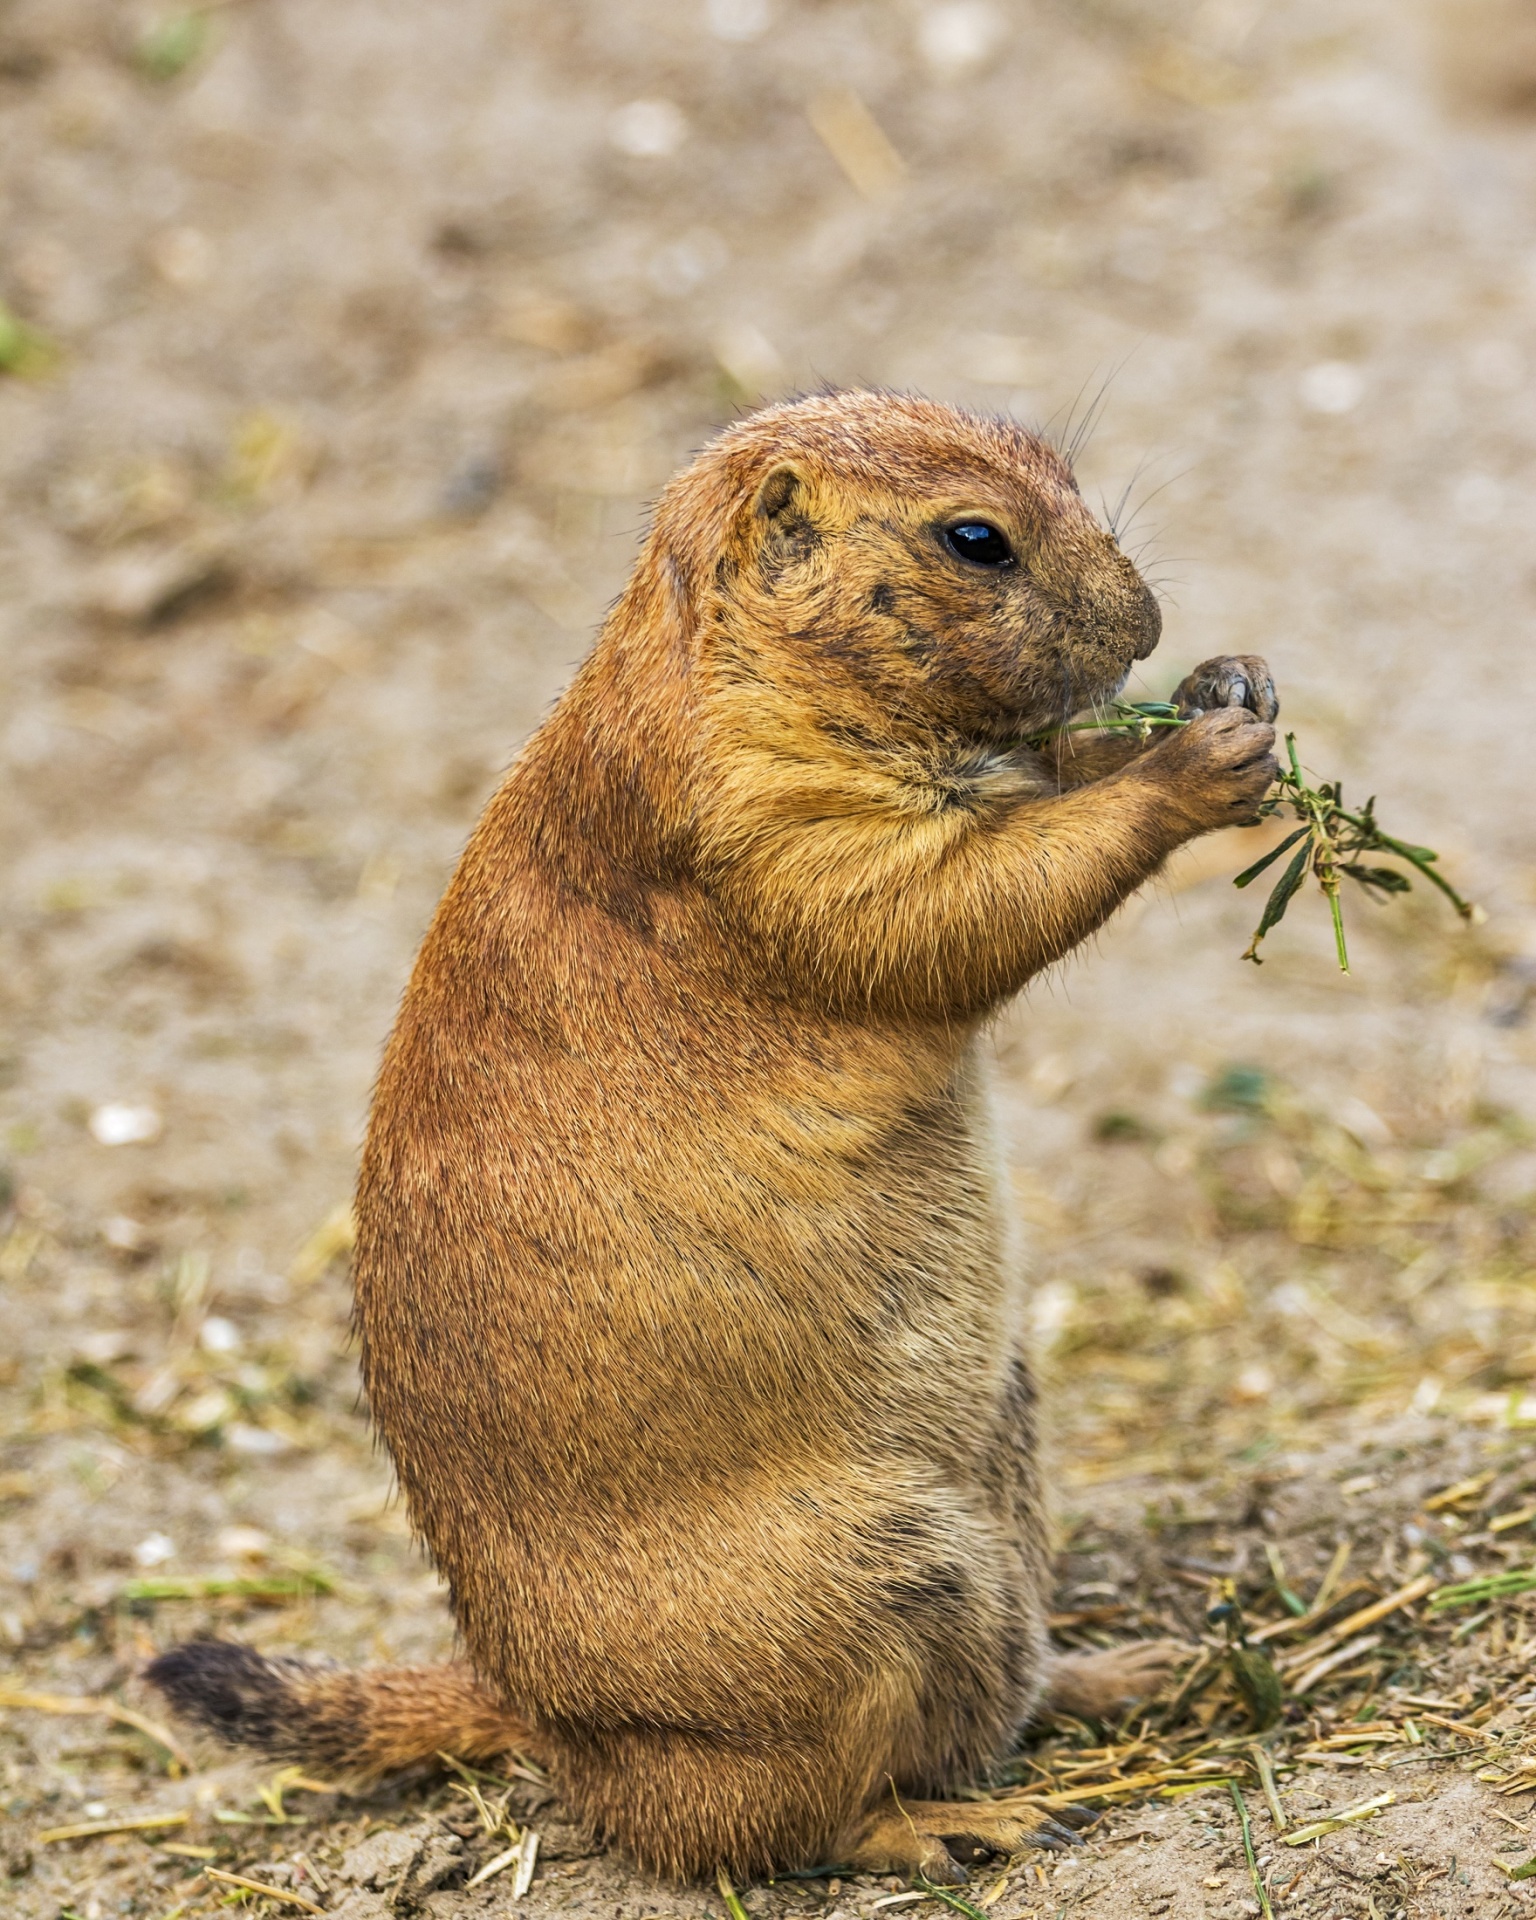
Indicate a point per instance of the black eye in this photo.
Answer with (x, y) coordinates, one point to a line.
(977, 541)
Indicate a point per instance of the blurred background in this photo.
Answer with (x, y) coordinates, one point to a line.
(342, 349)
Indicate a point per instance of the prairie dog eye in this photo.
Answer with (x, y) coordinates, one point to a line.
(979, 542)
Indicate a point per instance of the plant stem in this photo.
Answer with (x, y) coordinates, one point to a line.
(1266, 1772)
(955, 1900)
(1253, 1865)
(1330, 886)
(730, 1896)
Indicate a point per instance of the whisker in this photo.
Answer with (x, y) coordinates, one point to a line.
(1147, 499)
(1112, 514)
(1095, 413)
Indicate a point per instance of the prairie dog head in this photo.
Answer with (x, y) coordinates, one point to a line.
(905, 574)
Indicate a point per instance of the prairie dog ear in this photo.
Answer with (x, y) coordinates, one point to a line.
(781, 494)
(788, 534)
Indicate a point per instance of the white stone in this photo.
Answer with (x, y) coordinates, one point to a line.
(256, 1441)
(1332, 386)
(124, 1126)
(738, 19)
(959, 35)
(219, 1335)
(648, 129)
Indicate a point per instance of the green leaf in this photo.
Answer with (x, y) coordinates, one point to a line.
(1237, 1089)
(23, 350)
(1284, 891)
(955, 1900)
(1253, 872)
(1254, 1675)
(1387, 879)
(172, 43)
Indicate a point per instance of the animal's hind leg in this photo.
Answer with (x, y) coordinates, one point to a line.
(1096, 1686)
(683, 1804)
(936, 1840)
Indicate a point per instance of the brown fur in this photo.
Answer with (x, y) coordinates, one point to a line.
(688, 1303)
(354, 1725)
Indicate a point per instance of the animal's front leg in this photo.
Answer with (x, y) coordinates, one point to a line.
(1075, 759)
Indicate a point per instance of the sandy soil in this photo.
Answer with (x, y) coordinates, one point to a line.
(351, 341)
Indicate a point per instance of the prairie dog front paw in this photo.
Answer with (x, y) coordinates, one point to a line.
(1228, 680)
(1214, 771)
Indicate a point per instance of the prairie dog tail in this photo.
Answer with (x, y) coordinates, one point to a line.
(354, 1723)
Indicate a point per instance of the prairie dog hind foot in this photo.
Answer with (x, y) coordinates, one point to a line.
(937, 1840)
(1098, 1686)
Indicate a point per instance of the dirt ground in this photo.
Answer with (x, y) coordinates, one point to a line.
(345, 344)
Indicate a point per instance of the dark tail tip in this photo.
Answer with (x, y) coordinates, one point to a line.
(229, 1689)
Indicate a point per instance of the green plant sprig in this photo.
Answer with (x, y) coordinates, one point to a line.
(1329, 843)
(1139, 717)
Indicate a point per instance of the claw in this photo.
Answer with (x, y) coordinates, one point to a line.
(1076, 1817)
(942, 1868)
(1054, 1835)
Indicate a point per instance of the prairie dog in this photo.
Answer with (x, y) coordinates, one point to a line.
(683, 1275)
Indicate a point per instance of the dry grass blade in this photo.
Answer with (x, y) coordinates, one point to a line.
(335, 1235)
(857, 142)
(1304, 1623)
(523, 1878)
(61, 1703)
(523, 1857)
(1463, 1490)
(995, 1892)
(492, 1817)
(1346, 1816)
(1322, 1599)
(1356, 1623)
(1458, 1727)
(284, 1894)
(1330, 1663)
(1265, 1769)
(1083, 1793)
(130, 1823)
(497, 1864)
